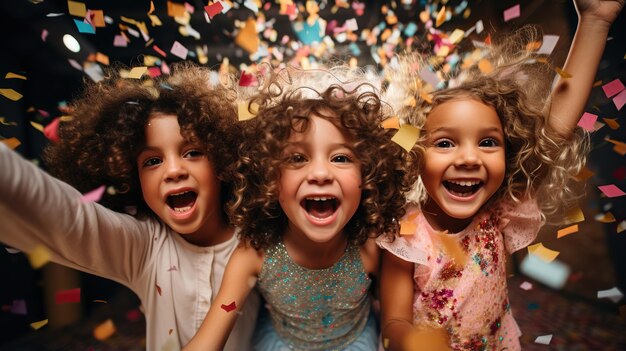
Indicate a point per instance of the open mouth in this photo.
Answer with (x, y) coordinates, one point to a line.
(320, 207)
(462, 188)
(182, 202)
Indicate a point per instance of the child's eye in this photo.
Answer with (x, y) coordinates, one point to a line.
(443, 143)
(194, 153)
(342, 158)
(296, 158)
(488, 142)
(152, 161)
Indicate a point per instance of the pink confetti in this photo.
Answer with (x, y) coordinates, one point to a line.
(44, 35)
(619, 100)
(214, 9)
(611, 190)
(51, 131)
(19, 307)
(94, 195)
(67, 296)
(119, 41)
(179, 50)
(158, 49)
(526, 286)
(511, 13)
(154, 72)
(587, 121)
(612, 88)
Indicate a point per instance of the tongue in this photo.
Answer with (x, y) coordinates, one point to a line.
(320, 209)
(184, 200)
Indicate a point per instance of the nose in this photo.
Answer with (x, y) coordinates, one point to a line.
(468, 157)
(319, 172)
(175, 169)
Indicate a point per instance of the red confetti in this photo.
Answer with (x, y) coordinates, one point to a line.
(133, 315)
(158, 49)
(230, 307)
(67, 296)
(247, 79)
(213, 9)
(619, 173)
(51, 131)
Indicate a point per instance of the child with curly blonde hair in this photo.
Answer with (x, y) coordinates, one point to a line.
(494, 162)
(163, 147)
(318, 179)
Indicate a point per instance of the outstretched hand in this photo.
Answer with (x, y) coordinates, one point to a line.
(602, 10)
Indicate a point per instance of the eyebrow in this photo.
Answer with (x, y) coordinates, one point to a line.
(449, 129)
(304, 143)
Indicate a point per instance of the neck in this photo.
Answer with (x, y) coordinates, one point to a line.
(442, 222)
(314, 255)
(210, 234)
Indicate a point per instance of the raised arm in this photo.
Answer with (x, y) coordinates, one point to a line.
(570, 95)
(396, 300)
(239, 279)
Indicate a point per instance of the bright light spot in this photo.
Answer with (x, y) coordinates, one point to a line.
(71, 43)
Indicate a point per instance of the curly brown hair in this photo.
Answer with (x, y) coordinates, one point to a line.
(515, 82)
(386, 169)
(100, 144)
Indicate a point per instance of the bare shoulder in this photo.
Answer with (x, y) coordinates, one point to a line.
(247, 257)
(370, 255)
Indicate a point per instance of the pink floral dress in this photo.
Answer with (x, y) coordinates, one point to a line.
(471, 301)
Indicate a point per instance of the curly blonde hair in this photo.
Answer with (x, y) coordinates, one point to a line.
(284, 108)
(515, 82)
(101, 143)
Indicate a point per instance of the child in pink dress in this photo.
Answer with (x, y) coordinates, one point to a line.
(494, 162)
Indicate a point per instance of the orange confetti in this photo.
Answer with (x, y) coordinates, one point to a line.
(391, 123)
(611, 122)
(567, 231)
(584, 174)
(104, 331)
(441, 17)
(247, 37)
(11, 143)
(453, 248)
(485, 66)
(562, 73)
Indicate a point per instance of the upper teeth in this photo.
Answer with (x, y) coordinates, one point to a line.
(320, 198)
(182, 192)
(465, 182)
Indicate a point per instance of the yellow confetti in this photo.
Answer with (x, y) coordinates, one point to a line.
(37, 126)
(543, 252)
(621, 226)
(441, 17)
(37, 325)
(562, 73)
(38, 257)
(77, 8)
(11, 143)
(452, 247)
(100, 301)
(137, 72)
(456, 36)
(102, 58)
(247, 37)
(7, 123)
(567, 231)
(574, 215)
(15, 75)
(104, 330)
(605, 217)
(391, 123)
(10, 94)
(597, 83)
(406, 137)
(155, 21)
(244, 113)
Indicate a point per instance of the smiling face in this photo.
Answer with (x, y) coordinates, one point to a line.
(320, 184)
(179, 184)
(464, 161)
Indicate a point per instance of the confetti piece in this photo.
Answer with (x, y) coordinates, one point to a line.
(51, 131)
(452, 247)
(587, 121)
(84, 27)
(574, 215)
(562, 73)
(120, 41)
(548, 44)
(429, 77)
(214, 9)
(38, 257)
(97, 18)
(456, 36)
(441, 17)
(613, 294)
(247, 37)
(37, 126)
(172, 269)
(102, 58)
(605, 217)
(11, 75)
(11, 143)
(247, 79)
(543, 339)
(245, 113)
(567, 231)
(553, 274)
(621, 226)
(526, 286)
(619, 147)
(12, 250)
(158, 289)
(10, 94)
(611, 190)
(104, 330)
(230, 307)
(584, 174)
(158, 49)
(391, 123)
(133, 315)
(543, 252)
(407, 227)
(137, 72)
(67, 296)
(612, 123)
(38, 325)
(179, 50)
(511, 13)
(620, 100)
(485, 66)
(94, 195)
(19, 307)
(406, 137)
(76, 8)
(613, 88)
(175, 9)
(100, 301)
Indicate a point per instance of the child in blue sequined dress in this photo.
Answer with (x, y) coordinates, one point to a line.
(318, 179)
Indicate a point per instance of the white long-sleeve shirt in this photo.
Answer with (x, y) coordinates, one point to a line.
(175, 280)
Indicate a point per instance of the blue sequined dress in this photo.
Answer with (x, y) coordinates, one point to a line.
(325, 309)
